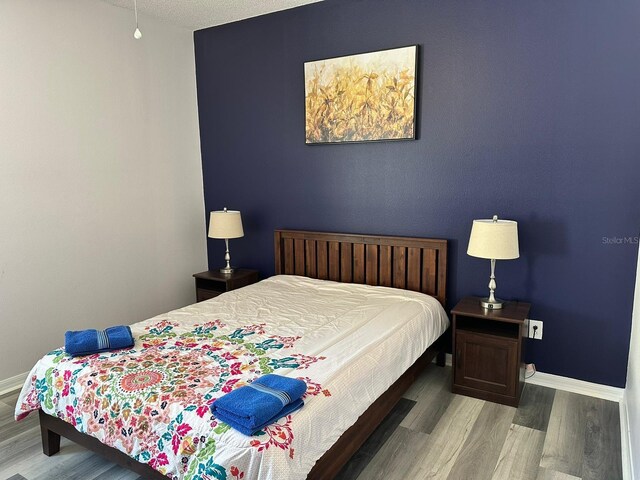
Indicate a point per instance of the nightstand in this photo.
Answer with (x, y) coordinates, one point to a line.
(212, 283)
(488, 350)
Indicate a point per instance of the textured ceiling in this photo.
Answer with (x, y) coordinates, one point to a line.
(197, 14)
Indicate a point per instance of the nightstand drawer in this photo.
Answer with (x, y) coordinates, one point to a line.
(203, 294)
(486, 362)
(210, 284)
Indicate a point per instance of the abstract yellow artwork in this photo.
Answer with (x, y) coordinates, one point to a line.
(361, 98)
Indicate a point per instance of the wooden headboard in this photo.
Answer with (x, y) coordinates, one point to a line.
(418, 264)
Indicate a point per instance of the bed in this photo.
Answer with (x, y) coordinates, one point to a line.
(326, 317)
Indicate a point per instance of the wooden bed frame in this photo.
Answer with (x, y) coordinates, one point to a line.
(402, 262)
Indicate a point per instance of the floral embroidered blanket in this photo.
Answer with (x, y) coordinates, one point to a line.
(152, 401)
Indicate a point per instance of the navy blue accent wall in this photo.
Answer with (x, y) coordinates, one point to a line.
(527, 109)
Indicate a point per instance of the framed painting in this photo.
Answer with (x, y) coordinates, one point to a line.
(361, 98)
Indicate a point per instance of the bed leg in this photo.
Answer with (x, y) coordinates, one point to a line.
(50, 440)
(441, 358)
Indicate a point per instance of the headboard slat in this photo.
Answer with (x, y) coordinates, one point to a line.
(334, 261)
(298, 251)
(358, 263)
(413, 268)
(385, 278)
(371, 273)
(323, 260)
(288, 256)
(428, 270)
(310, 258)
(399, 267)
(346, 262)
(411, 263)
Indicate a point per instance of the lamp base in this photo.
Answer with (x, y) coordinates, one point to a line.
(495, 304)
(226, 270)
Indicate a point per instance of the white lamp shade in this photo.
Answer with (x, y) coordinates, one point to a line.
(494, 239)
(225, 224)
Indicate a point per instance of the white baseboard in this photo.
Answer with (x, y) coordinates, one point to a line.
(577, 386)
(571, 385)
(627, 463)
(10, 384)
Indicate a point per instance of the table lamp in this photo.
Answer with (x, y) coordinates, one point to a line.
(493, 239)
(225, 224)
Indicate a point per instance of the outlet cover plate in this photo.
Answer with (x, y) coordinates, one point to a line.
(538, 333)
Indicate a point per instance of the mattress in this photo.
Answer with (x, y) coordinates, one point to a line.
(348, 342)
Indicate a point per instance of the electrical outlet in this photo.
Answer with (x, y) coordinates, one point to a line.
(537, 333)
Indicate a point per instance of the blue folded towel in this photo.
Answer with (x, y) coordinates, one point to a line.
(250, 408)
(86, 342)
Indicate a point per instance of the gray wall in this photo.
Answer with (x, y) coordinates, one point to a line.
(101, 208)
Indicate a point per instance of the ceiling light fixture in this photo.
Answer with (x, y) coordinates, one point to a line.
(137, 34)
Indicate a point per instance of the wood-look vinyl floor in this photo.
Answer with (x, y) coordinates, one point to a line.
(430, 434)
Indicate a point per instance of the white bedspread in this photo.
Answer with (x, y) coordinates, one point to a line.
(348, 342)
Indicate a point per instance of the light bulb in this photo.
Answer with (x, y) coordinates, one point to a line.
(137, 34)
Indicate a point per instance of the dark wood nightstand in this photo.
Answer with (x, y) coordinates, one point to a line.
(488, 350)
(212, 283)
